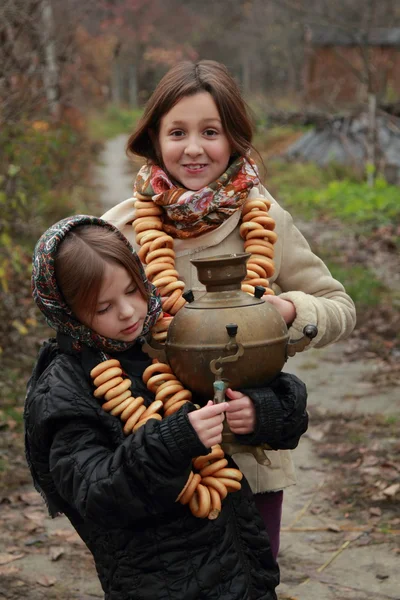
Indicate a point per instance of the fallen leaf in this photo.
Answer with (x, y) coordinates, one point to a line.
(7, 558)
(31, 498)
(392, 490)
(375, 511)
(56, 552)
(46, 581)
(7, 571)
(333, 527)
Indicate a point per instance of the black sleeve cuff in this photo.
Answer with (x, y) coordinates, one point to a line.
(179, 436)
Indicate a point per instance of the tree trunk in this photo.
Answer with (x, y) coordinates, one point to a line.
(50, 66)
(116, 83)
(371, 154)
(133, 86)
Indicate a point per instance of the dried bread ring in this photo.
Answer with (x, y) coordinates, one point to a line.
(201, 461)
(262, 233)
(140, 196)
(108, 385)
(174, 408)
(168, 391)
(171, 287)
(200, 502)
(248, 288)
(185, 487)
(144, 203)
(106, 375)
(156, 269)
(133, 419)
(152, 211)
(190, 489)
(132, 407)
(257, 281)
(229, 473)
(215, 507)
(116, 391)
(124, 401)
(154, 407)
(147, 236)
(231, 484)
(110, 405)
(165, 241)
(180, 396)
(103, 366)
(157, 367)
(160, 253)
(143, 421)
(147, 223)
(212, 482)
(156, 380)
(168, 303)
(215, 466)
(258, 204)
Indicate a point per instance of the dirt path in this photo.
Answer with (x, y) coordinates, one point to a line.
(334, 546)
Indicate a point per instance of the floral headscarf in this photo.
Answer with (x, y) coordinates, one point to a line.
(50, 301)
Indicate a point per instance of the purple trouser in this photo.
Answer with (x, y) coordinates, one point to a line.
(269, 505)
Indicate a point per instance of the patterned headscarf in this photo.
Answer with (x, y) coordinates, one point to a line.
(50, 301)
(188, 213)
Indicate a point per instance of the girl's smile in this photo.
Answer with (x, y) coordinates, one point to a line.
(193, 144)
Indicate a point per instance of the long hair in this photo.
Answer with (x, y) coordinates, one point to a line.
(187, 79)
(80, 264)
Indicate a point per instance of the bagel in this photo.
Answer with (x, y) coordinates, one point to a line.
(116, 391)
(200, 502)
(190, 489)
(106, 375)
(133, 419)
(108, 385)
(216, 466)
(103, 366)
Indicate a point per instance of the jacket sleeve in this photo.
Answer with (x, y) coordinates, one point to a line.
(306, 281)
(138, 478)
(122, 216)
(281, 416)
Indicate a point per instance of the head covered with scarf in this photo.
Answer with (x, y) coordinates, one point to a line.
(49, 298)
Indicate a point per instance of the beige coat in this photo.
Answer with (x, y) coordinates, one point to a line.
(302, 278)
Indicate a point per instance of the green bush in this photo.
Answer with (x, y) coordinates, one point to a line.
(42, 171)
(113, 121)
(312, 193)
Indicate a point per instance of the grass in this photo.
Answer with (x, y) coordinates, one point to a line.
(335, 192)
(360, 283)
(111, 122)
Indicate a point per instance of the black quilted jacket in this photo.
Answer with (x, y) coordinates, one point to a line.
(119, 492)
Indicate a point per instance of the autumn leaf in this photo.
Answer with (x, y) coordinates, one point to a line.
(46, 581)
(7, 558)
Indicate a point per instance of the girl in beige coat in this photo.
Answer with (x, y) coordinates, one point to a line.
(195, 198)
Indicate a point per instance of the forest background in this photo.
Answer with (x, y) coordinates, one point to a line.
(74, 74)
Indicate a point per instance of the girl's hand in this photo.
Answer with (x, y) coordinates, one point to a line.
(241, 413)
(207, 422)
(285, 307)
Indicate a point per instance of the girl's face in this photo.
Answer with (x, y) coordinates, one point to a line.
(121, 308)
(193, 145)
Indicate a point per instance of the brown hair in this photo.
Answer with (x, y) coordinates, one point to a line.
(80, 263)
(187, 79)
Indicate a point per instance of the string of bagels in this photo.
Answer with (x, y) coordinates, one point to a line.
(210, 479)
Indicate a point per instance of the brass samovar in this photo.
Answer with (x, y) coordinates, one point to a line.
(227, 338)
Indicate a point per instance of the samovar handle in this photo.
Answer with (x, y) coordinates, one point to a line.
(293, 346)
(154, 349)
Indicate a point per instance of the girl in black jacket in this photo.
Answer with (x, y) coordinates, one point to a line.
(120, 488)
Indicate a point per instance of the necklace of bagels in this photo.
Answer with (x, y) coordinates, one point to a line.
(211, 479)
